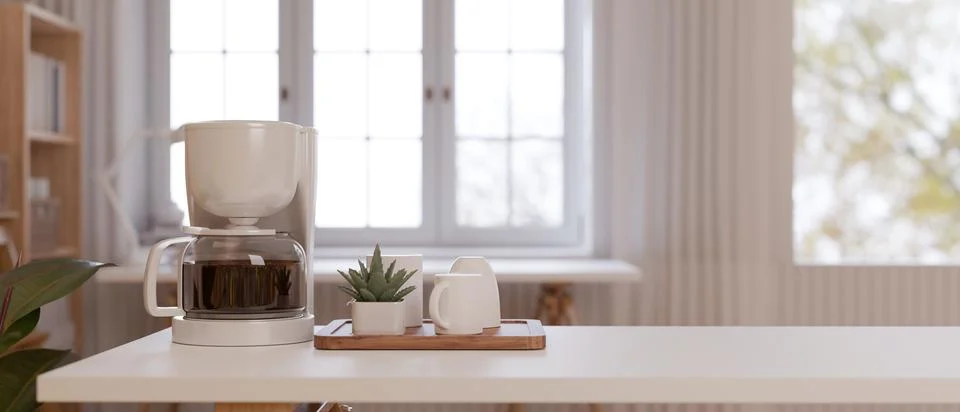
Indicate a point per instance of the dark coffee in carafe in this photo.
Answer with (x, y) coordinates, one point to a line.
(239, 289)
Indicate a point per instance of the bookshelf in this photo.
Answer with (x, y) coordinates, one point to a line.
(53, 152)
(39, 136)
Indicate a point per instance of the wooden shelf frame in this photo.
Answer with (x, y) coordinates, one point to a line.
(44, 22)
(57, 156)
(38, 136)
(26, 28)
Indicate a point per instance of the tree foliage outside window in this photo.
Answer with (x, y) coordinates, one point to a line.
(877, 105)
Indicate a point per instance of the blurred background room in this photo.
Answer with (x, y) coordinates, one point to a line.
(644, 162)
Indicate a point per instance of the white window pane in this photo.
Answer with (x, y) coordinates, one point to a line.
(395, 183)
(196, 25)
(196, 87)
(340, 95)
(482, 183)
(178, 182)
(341, 183)
(396, 87)
(536, 95)
(340, 25)
(481, 25)
(252, 25)
(876, 121)
(536, 25)
(251, 86)
(481, 95)
(396, 25)
(537, 179)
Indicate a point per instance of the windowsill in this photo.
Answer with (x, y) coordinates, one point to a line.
(509, 270)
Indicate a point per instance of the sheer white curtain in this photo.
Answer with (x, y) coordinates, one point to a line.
(700, 112)
(700, 103)
(117, 83)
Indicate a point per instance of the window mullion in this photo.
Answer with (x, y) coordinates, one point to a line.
(296, 61)
(447, 142)
(433, 121)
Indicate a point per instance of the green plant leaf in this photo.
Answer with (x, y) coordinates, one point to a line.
(398, 279)
(365, 274)
(367, 296)
(349, 279)
(405, 278)
(404, 292)
(388, 295)
(358, 279)
(351, 292)
(18, 375)
(377, 283)
(5, 306)
(392, 282)
(44, 281)
(19, 329)
(376, 264)
(389, 273)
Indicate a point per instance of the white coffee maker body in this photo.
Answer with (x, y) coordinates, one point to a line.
(245, 180)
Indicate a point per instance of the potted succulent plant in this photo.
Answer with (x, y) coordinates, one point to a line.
(377, 305)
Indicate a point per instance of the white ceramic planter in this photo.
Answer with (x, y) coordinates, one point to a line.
(378, 318)
(414, 300)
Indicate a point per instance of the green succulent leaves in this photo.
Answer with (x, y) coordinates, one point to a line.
(376, 284)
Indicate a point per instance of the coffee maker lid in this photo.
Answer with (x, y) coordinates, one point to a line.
(240, 124)
(205, 231)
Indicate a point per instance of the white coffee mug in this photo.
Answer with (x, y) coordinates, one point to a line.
(454, 303)
(488, 292)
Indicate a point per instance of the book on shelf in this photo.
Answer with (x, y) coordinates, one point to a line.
(45, 94)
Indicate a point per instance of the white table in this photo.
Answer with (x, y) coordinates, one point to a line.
(579, 365)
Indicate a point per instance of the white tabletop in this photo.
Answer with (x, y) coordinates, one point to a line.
(579, 365)
(508, 271)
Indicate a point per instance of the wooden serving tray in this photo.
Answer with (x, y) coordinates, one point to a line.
(513, 334)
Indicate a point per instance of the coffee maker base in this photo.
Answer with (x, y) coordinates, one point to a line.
(201, 332)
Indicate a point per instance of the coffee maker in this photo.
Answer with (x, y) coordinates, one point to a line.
(245, 277)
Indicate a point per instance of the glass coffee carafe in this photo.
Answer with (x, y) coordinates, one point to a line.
(227, 276)
(243, 277)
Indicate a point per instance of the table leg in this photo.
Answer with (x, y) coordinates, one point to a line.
(255, 407)
(555, 307)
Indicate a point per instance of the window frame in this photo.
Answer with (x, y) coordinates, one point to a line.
(574, 145)
(439, 235)
(355, 237)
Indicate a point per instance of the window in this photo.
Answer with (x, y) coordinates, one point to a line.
(878, 131)
(368, 111)
(440, 123)
(223, 65)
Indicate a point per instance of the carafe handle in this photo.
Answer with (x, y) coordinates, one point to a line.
(150, 279)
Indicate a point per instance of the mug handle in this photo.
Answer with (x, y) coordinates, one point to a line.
(435, 305)
(150, 279)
